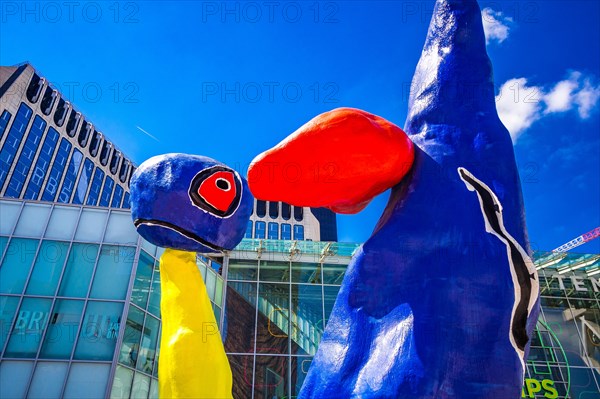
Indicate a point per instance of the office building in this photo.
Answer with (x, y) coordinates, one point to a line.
(281, 221)
(49, 151)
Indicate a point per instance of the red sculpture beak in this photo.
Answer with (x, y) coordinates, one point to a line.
(340, 160)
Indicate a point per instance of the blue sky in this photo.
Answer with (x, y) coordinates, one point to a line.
(230, 80)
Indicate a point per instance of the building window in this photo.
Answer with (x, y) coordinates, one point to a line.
(74, 118)
(298, 232)
(16, 264)
(116, 201)
(84, 181)
(249, 230)
(286, 231)
(4, 118)
(105, 153)
(48, 100)
(107, 191)
(261, 208)
(58, 167)
(61, 112)
(47, 268)
(78, 271)
(41, 165)
(99, 330)
(95, 188)
(273, 209)
(259, 229)
(273, 231)
(84, 134)
(35, 88)
(13, 140)
(148, 348)
(113, 271)
(286, 211)
(70, 177)
(32, 142)
(9, 308)
(65, 315)
(126, 204)
(30, 323)
(298, 213)
(131, 340)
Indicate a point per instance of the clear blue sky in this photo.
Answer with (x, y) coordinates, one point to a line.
(229, 80)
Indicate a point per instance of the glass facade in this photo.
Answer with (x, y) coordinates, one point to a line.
(298, 232)
(107, 191)
(42, 158)
(248, 233)
(56, 173)
(273, 220)
(32, 142)
(260, 229)
(84, 182)
(565, 352)
(80, 309)
(4, 118)
(276, 307)
(64, 277)
(273, 231)
(42, 164)
(13, 141)
(327, 222)
(95, 188)
(80, 303)
(70, 177)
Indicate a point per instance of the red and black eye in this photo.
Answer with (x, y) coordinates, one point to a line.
(217, 190)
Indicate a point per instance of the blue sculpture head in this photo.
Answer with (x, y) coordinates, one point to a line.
(190, 202)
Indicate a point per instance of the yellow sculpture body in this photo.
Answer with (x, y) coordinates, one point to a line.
(192, 363)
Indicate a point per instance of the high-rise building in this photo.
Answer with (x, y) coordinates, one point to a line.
(49, 151)
(281, 221)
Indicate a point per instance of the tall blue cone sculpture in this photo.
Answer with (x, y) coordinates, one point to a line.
(441, 300)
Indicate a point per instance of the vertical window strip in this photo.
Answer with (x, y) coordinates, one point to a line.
(84, 181)
(116, 201)
(107, 191)
(95, 188)
(4, 119)
(70, 177)
(260, 228)
(58, 168)
(126, 204)
(41, 165)
(13, 141)
(32, 139)
(298, 232)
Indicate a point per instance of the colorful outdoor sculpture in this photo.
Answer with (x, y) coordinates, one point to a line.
(441, 300)
(190, 203)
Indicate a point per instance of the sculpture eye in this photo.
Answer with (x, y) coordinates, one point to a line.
(216, 190)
